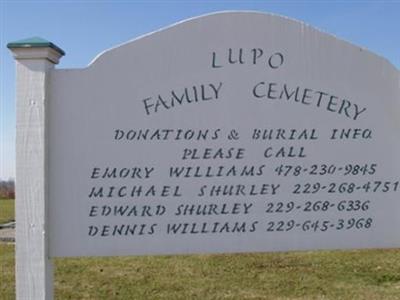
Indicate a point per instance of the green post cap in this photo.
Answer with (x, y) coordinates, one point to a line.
(34, 42)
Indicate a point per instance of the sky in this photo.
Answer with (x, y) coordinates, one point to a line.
(83, 29)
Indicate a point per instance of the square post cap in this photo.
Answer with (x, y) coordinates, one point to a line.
(36, 48)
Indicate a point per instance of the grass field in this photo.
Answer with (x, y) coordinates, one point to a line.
(367, 275)
(6, 210)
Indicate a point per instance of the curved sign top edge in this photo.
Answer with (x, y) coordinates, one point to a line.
(299, 23)
(233, 132)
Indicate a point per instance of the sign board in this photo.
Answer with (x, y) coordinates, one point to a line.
(230, 132)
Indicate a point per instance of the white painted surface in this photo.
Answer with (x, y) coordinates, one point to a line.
(34, 269)
(88, 105)
(41, 53)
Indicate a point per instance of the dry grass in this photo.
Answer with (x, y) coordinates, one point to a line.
(369, 274)
(7, 211)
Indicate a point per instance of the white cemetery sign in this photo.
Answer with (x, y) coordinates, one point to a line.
(230, 132)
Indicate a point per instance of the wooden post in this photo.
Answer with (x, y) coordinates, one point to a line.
(35, 58)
